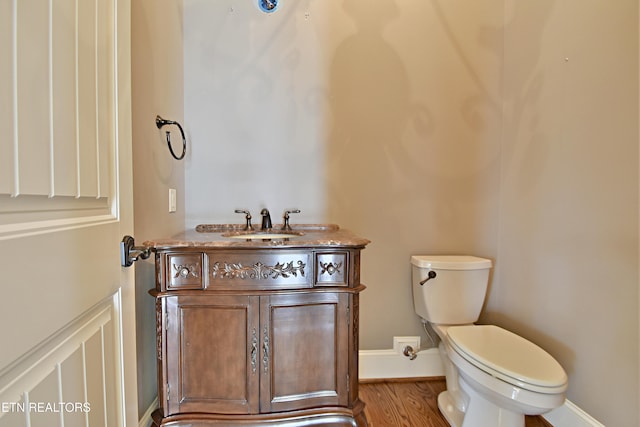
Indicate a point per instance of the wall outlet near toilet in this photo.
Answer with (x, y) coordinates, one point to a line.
(399, 343)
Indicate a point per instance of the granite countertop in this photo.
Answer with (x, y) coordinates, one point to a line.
(230, 236)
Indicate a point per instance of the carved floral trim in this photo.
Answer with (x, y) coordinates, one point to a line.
(258, 271)
(331, 268)
(186, 270)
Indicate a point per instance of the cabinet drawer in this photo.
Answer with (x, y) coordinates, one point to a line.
(184, 271)
(258, 270)
(332, 269)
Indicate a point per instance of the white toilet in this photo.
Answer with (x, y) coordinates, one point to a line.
(494, 377)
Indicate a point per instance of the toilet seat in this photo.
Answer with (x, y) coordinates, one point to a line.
(509, 357)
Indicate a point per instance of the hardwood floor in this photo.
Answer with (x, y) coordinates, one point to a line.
(411, 403)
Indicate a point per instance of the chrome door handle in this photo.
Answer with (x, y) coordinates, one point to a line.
(254, 351)
(265, 349)
(129, 253)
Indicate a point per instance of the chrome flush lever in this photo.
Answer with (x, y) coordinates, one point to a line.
(431, 275)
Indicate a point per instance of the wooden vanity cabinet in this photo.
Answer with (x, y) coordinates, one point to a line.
(242, 352)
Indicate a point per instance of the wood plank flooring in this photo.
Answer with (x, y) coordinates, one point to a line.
(412, 403)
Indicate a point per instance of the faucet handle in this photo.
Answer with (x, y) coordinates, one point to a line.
(247, 218)
(285, 218)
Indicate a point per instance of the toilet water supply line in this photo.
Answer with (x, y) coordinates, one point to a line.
(412, 353)
(408, 350)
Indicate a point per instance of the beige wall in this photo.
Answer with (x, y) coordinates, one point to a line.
(567, 265)
(413, 144)
(427, 127)
(157, 88)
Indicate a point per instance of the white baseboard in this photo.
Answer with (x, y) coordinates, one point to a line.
(569, 415)
(388, 364)
(383, 364)
(146, 420)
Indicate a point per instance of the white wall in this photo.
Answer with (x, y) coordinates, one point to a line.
(256, 105)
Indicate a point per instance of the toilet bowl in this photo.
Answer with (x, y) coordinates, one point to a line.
(494, 377)
(503, 375)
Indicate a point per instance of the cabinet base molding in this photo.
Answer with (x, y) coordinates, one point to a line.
(325, 417)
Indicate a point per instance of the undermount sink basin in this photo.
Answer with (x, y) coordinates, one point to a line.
(258, 235)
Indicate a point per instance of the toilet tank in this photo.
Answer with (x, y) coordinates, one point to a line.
(455, 294)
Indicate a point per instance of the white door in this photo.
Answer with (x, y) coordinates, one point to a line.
(67, 355)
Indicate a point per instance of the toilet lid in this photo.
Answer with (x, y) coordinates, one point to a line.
(511, 357)
(450, 262)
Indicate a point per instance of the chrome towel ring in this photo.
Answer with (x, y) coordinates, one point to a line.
(160, 122)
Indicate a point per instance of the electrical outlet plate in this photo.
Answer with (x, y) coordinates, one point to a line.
(399, 343)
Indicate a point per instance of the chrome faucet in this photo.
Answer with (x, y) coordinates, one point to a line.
(266, 219)
(285, 218)
(247, 218)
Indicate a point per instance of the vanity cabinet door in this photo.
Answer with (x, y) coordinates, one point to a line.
(304, 352)
(212, 350)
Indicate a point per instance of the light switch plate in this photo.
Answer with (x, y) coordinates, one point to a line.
(172, 200)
